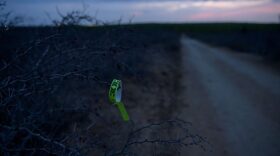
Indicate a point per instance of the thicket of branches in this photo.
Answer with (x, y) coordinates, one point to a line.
(7, 19)
(35, 76)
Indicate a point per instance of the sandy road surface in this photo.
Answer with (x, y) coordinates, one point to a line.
(231, 98)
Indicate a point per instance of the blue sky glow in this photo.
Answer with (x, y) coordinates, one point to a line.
(143, 11)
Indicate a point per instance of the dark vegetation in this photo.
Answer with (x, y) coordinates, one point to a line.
(54, 85)
(260, 39)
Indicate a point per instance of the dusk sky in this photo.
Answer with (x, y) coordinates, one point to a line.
(143, 11)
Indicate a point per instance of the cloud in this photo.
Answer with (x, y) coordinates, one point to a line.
(264, 12)
(155, 10)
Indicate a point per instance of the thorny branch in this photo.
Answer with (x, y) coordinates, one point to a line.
(187, 139)
(31, 119)
(37, 135)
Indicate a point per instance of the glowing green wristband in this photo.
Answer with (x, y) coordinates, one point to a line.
(115, 96)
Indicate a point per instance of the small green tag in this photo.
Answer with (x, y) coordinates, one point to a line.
(115, 95)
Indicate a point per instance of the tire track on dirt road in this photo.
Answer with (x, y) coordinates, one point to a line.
(232, 100)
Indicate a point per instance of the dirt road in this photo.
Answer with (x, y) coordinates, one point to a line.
(232, 98)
